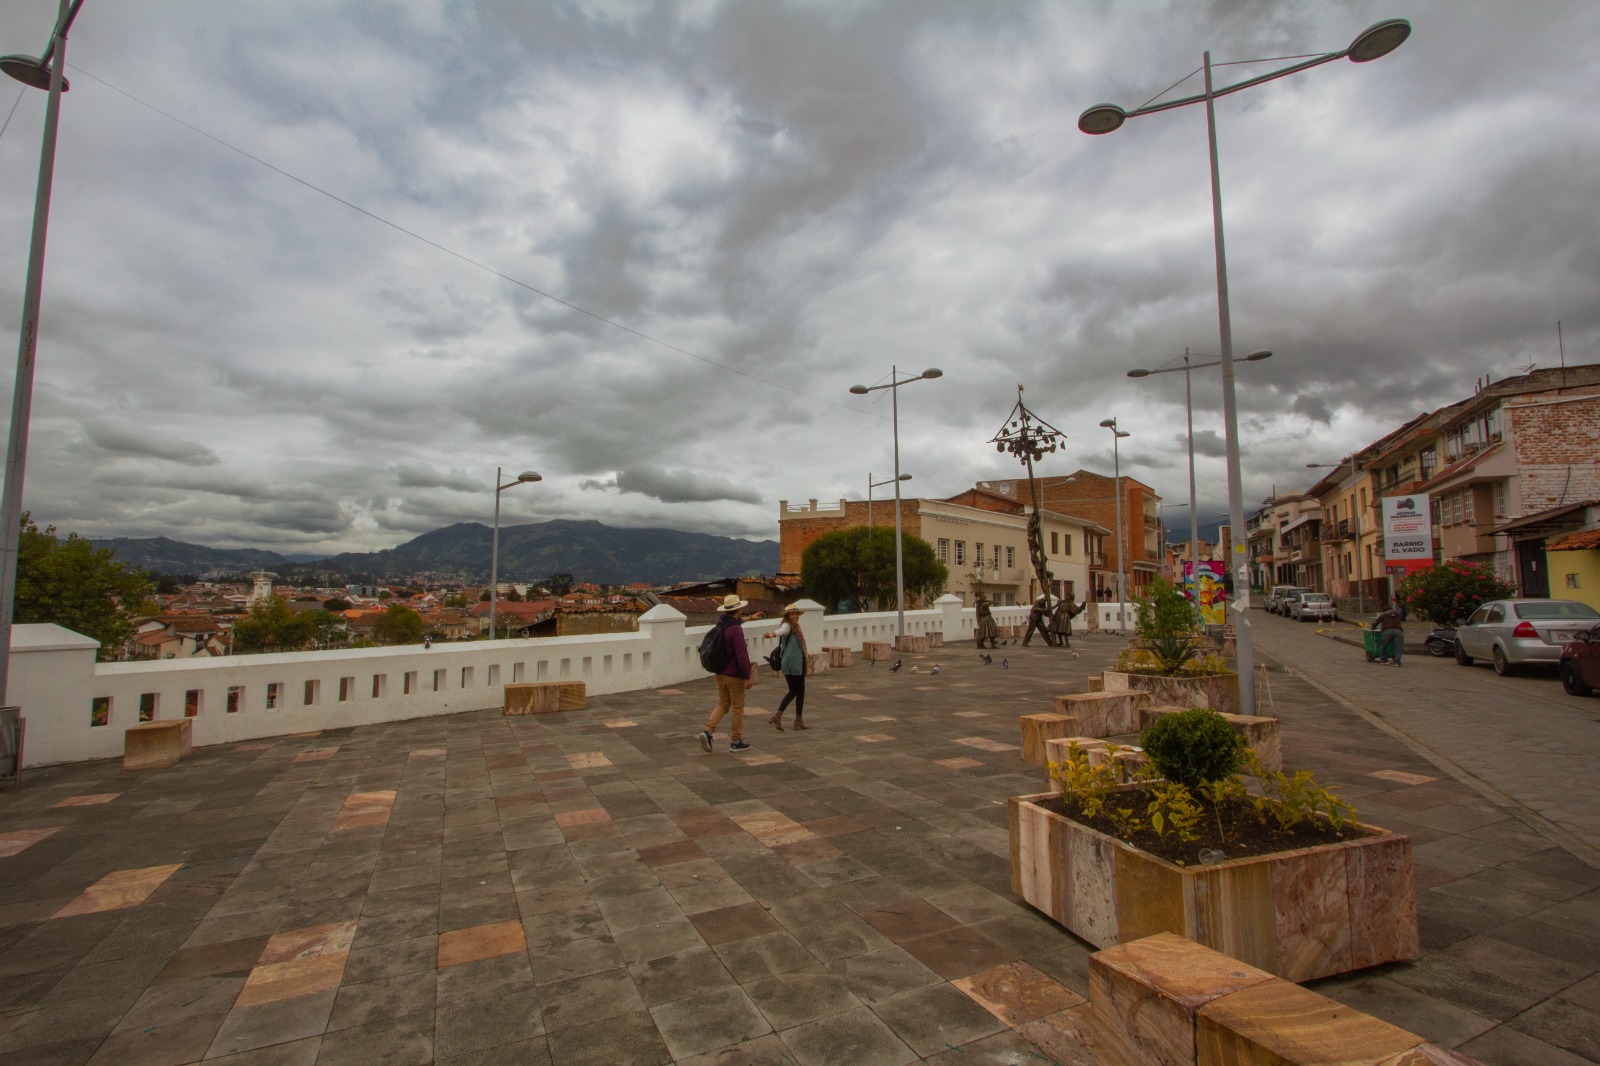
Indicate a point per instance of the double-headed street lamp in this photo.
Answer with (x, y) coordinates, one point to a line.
(1188, 405)
(1122, 537)
(1374, 42)
(524, 478)
(1355, 522)
(893, 385)
(871, 484)
(45, 72)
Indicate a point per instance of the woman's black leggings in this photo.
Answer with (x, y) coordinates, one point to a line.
(797, 693)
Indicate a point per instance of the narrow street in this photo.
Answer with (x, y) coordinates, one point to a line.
(1521, 739)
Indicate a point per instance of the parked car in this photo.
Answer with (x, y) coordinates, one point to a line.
(1441, 641)
(1280, 593)
(1510, 633)
(1580, 663)
(1313, 605)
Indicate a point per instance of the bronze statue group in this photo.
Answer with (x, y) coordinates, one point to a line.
(1054, 625)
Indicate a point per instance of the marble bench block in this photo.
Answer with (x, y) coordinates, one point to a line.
(1144, 995)
(1096, 683)
(1037, 729)
(876, 651)
(1278, 1022)
(935, 639)
(1258, 732)
(157, 745)
(839, 656)
(1104, 714)
(1059, 749)
(544, 697)
(818, 662)
(911, 644)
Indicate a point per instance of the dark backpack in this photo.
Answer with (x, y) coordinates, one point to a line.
(714, 657)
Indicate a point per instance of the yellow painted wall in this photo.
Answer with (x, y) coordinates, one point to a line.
(1585, 565)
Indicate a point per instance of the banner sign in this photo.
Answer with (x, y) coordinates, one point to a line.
(1408, 529)
(1209, 593)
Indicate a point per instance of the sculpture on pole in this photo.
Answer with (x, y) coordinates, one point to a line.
(1029, 438)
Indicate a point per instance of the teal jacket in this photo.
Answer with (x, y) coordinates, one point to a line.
(794, 656)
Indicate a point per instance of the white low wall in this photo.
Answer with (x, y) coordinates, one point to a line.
(56, 682)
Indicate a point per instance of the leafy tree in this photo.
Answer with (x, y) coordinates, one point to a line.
(1442, 594)
(76, 585)
(558, 584)
(166, 584)
(1165, 612)
(323, 628)
(856, 565)
(513, 596)
(384, 594)
(338, 603)
(271, 626)
(399, 625)
(456, 600)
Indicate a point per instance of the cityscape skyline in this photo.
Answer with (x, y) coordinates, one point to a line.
(773, 203)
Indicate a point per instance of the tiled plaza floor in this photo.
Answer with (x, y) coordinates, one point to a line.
(590, 887)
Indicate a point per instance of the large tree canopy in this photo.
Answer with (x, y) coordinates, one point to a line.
(74, 584)
(854, 569)
(399, 625)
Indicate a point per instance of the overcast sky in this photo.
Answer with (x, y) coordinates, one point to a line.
(769, 202)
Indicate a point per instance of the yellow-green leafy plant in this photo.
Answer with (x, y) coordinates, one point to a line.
(1172, 811)
(1289, 800)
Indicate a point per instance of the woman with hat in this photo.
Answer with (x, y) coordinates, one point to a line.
(792, 664)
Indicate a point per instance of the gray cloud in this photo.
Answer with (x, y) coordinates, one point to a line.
(807, 193)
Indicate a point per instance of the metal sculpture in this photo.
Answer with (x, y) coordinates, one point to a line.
(1030, 438)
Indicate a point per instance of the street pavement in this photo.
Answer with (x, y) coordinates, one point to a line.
(1521, 741)
(589, 887)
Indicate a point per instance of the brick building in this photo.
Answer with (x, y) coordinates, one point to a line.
(1093, 497)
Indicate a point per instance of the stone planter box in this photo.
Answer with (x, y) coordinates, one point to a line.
(876, 651)
(1301, 914)
(1259, 733)
(1103, 714)
(1220, 692)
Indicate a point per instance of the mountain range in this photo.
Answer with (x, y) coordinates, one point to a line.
(589, 551)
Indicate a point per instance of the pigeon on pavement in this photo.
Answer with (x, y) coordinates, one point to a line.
(895, 667)
(988, 660)
(1005, 664)
(935, 669)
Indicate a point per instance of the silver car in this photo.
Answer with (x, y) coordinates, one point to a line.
(1511, 632)
(1313, 605)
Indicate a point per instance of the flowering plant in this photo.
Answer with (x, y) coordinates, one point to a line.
(1442, 594)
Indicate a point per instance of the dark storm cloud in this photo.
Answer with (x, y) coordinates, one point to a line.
(124, 439)
(682, 486)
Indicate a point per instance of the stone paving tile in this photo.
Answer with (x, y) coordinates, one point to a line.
(822, 900)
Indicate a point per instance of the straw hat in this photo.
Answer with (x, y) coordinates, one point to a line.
(731, 602)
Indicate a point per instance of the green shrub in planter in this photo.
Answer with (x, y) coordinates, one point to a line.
(1194, 747)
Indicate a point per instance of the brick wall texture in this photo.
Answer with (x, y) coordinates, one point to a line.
(1558, 451)
(797, 531)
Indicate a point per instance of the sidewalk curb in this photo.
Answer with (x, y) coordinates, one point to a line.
(1411, 649)
(1532, 819)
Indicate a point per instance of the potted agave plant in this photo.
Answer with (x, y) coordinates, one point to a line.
(1170, 657)
(1267, 867)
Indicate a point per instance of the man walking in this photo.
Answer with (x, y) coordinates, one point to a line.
(733, 678)
(1392, 635)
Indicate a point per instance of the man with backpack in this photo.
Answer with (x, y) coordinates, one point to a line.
(724, 653)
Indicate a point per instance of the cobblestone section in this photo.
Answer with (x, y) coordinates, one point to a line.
(589, 887)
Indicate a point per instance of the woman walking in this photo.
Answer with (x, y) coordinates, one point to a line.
(792, 664)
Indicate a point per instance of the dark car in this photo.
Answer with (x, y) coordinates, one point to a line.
(1580, 663)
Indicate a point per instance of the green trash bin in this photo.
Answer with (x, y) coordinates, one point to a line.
(1372, 641)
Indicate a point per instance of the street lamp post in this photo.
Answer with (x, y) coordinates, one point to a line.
(1374, 42)
(45, 72)
(524, 478)
(1355, 523)
(893, 385)
(1188, 406)
(1122, 537)
(871, 484)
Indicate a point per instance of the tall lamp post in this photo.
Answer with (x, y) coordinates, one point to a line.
(871, 484)
(40, 73)
(1374, 42)
(1188, 406)
(893, 385)
(524, 478)
(1355, 522)
(1122, 537)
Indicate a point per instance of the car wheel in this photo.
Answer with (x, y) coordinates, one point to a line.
(1571, 681)
(1461, 656)
(1439, 648)
(1501, 666)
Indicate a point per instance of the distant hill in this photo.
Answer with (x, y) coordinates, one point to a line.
(589, 551)
(164, 556)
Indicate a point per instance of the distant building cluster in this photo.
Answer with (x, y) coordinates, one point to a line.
(1508, 477)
